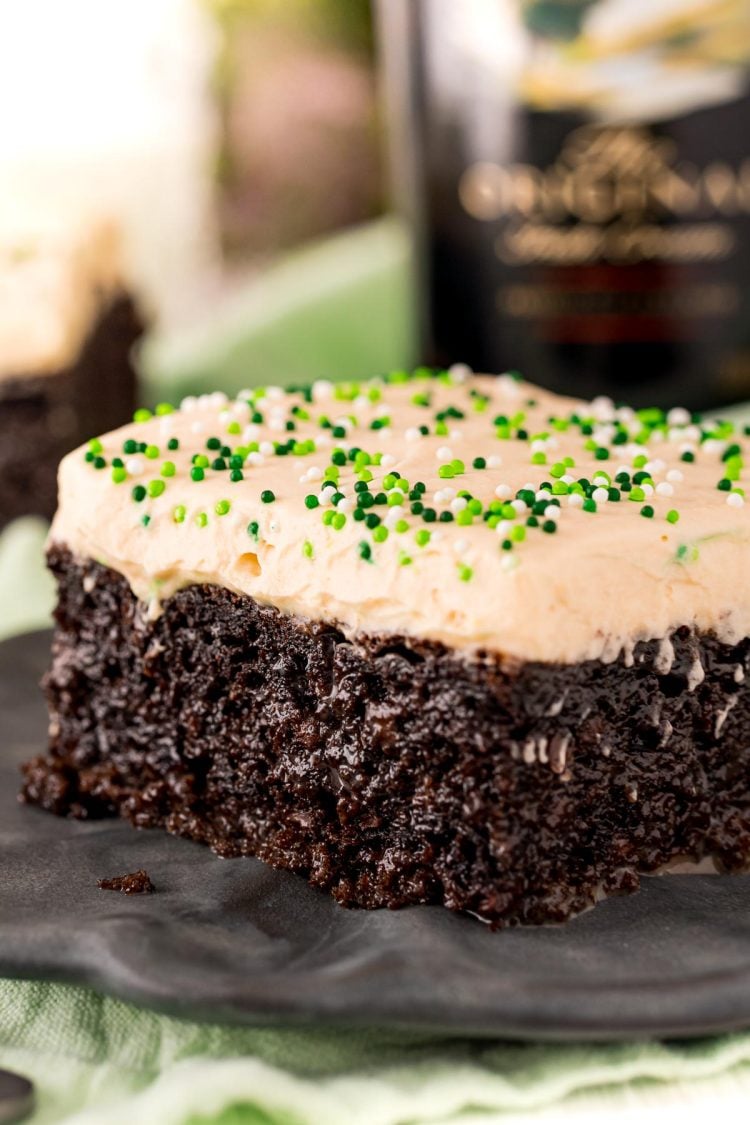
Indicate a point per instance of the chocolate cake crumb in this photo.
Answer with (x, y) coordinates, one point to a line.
(137, 883)
(392, 771)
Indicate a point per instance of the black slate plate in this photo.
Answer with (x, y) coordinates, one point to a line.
(232, 940)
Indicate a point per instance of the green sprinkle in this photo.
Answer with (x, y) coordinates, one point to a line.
(179, 513)
(311, 501)
(145, 520)
(163, 408)
(724, 485)
(201, 461)
(152, 452)
(142, 415)
(672, 515)
(267, 496)
(197, 473)
(222, 507)
(364, 550)
(155, 488)
(307, 549)
(601, 453)
(401, 526)
(234, 428)
(589, 505)
(119, 474)
(446, 472)
(636, 493)
(479, 462)
(647, 511)
(338, 521)
(422, 538)
(252, 529)
(95, 446)
(201, 519)
(404, 559)
(380, 534)
(465, 573)
(236, 474)
(687, 456)
(173, 444)
(168, 469)
(538, 459)
(138, 493)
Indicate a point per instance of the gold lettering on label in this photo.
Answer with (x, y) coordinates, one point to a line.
(605, 174)
(529, 242)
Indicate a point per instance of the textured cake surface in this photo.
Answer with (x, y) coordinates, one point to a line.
(478, 512)
(390, 771)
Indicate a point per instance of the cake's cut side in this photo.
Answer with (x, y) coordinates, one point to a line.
(43, 416)
(68, 326)
(388, 770)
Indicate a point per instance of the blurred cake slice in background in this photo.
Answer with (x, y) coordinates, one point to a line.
(68, 326)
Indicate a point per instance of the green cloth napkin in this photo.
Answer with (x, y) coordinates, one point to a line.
(336, 310)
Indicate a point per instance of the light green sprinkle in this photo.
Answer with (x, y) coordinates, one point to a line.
(201, 519)
(465, 573)
(163, 408)
(155, 488)
(380, 533)
(307, 549)
(142, 415)
(222, 507)
(422, 538)
(179, 513)
(152, 452)
(168, 469)
(672, 515)
(119, 474)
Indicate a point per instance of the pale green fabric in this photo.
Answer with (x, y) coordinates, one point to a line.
(338, 310)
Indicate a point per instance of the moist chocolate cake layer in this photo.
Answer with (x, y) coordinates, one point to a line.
(388, 771)
(43, 416)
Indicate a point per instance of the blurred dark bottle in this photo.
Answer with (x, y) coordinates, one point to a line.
(577, 174)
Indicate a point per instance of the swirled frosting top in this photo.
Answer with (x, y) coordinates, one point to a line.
(54, 279)
(478, 511)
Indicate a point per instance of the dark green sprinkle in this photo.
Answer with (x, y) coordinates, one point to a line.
(138, 493)
(197, 473)
(218, 463)
(173, 443)
(372, 520)
(99, 463)
(253, 529)
(724, 485)
(365, 551)
(311, 501)
(446, 516)
(687, 456)
(429, 515)
(129, 446)
(549, 526)
(213, 443)
(267, 496)
(236, 474)
(647, 511)
(479, 463)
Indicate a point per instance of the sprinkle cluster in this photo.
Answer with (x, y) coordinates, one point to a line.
(348, 478)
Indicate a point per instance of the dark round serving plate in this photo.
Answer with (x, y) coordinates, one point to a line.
(235, 941)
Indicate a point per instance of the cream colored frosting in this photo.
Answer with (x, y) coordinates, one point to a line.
(53, 281)
(603, 580)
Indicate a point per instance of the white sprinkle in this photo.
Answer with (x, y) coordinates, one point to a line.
(217, 399)
(437, 536)
(696, 674)
(134, 466)
(739, 674)
(413, 434)
(601, 480)
(503, 528)
(250, 432)
(603, 408)
(510, 386)
(566, 478)
(575, 500)
(197, 427)
(664, 488)
(657, 466)
(458, 504)
(276, 424)
(674, 476)
(455, 435)
(509, 561)
(538, 446)
(188, 404)
(322, 389)
(460, 546)
(735, 500)
(444, 453)
(314, 473)
(714, 445)
(344, 504)
(325, 496)
(552, 512)
(387, 459)
(519, 506)
(648, 489)
(494, 462)
(254, 458)
(600, 495)
(267, 448)
(543, 494)
(678, 416)
(503, 492)
(274, 392)
(459, 372)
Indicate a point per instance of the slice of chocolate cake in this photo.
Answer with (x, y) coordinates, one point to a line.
(437, 638)
(67, 329)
